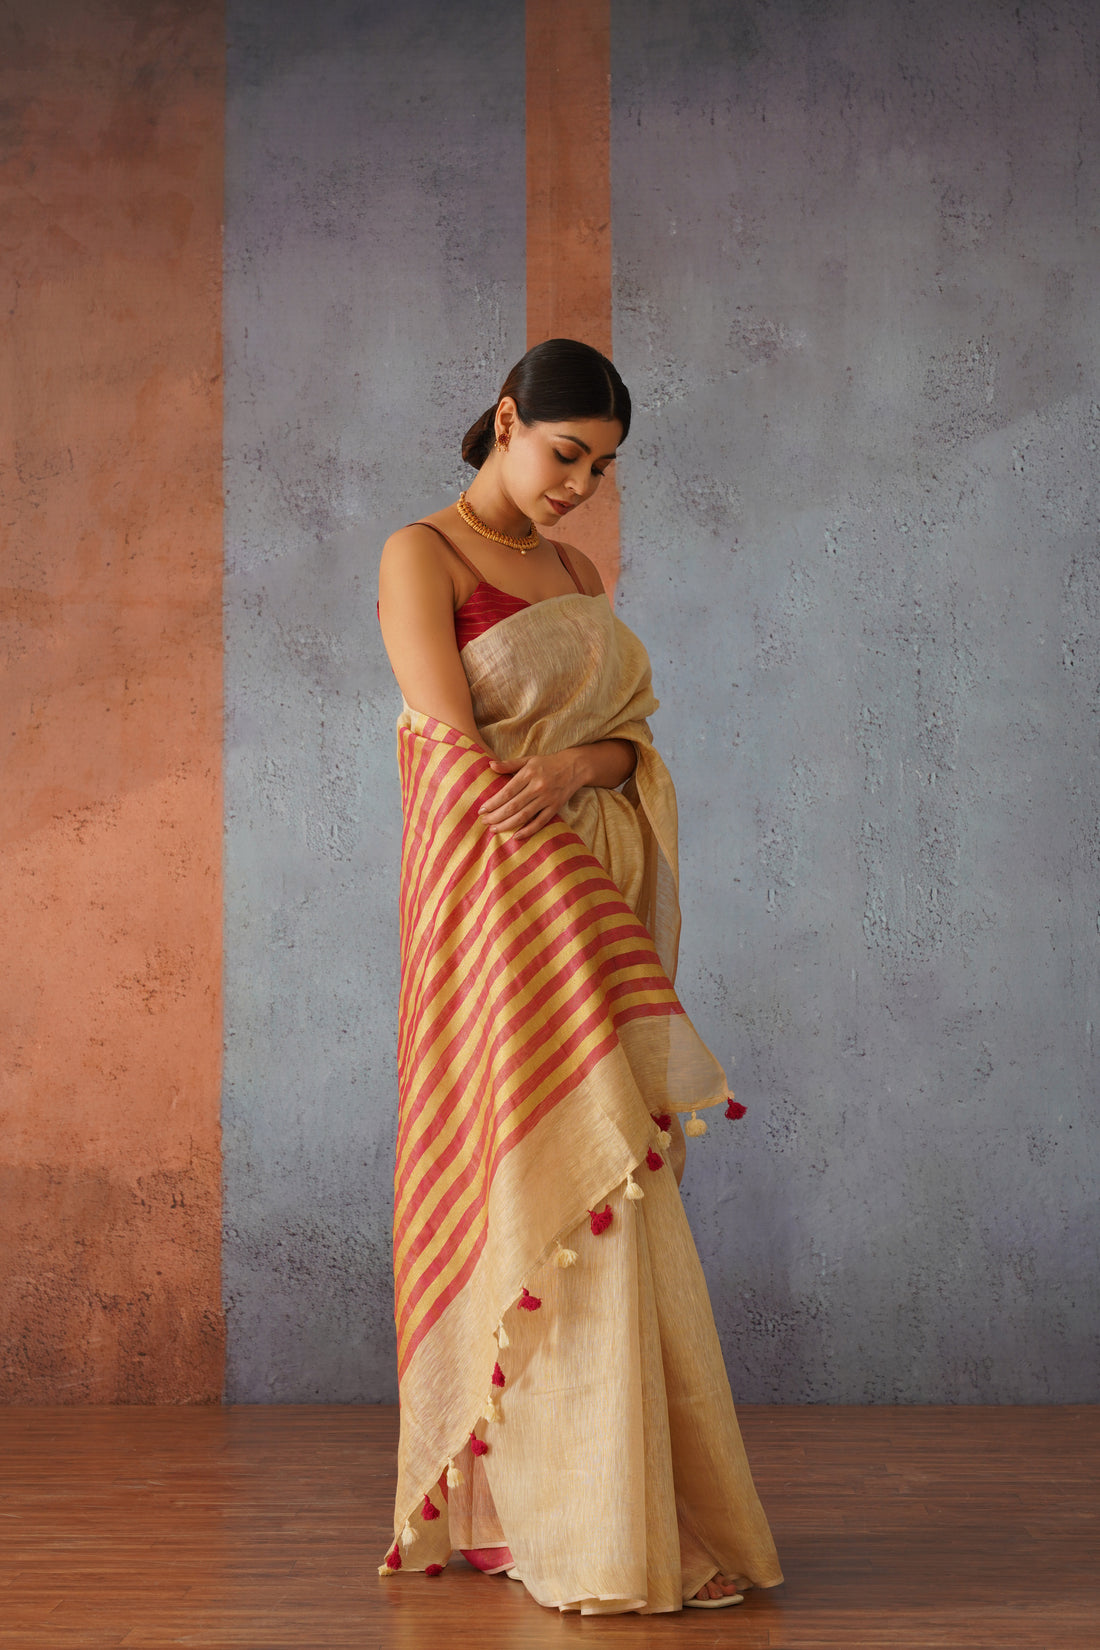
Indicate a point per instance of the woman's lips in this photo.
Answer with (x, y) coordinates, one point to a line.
(557, 504)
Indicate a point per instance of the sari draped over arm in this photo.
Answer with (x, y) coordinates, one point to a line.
(542, 1056)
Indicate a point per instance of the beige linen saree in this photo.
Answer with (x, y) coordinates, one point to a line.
(562, 1386)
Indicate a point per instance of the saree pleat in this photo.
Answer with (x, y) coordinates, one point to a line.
(540, 1041)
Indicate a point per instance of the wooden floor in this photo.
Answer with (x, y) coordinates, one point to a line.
(263, 1527)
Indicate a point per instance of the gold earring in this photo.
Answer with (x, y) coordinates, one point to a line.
(502, 440)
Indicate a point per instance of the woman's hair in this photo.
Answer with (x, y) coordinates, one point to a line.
(556, 382)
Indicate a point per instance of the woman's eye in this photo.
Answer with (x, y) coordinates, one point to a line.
(562, 458)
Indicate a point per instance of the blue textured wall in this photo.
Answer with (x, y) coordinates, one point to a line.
(374, 281)
(856, 298)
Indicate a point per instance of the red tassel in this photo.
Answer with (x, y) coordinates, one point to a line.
(601, 1219)
(529, 1303)
(477, 1446)
(662, 1122)
(653, 1160)
(429, 1510)
(735, 1109)
(433, 1569)
(394, 1559)
(498, 1375)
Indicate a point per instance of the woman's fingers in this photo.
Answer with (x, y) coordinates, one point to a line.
(515, 815)
(536, 824)
(531, 797)
(507, 793)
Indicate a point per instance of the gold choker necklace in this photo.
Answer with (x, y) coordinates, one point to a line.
(472, 519)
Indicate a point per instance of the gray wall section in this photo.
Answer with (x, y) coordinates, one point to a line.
(856, 299)
(374, 284)
(856, 296)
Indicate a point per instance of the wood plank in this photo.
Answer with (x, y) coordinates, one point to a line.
(917, 1529)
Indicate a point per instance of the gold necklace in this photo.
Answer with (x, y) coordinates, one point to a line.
(472, 519)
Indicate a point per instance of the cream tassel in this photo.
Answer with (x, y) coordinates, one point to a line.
(633, 1191)
(455, 1476)
(695, 1127)
(502, 1335)
(491, 1412)
(565, 1257)
(664, 1139)
(384, 1570)
(408, 1535)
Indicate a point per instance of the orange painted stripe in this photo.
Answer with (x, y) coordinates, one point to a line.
(111, 886)
(569, 210)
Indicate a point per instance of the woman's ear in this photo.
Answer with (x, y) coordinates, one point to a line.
(506, 420)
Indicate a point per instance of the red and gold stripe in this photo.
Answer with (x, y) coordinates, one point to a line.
(520, 965)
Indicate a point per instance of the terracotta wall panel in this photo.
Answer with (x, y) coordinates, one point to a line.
(111, 875)
(568, 117)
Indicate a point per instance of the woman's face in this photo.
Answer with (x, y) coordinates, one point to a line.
(548, 469)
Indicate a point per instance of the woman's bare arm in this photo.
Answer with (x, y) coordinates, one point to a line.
(416, 608)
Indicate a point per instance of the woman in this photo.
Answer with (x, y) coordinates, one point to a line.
(565, 1412)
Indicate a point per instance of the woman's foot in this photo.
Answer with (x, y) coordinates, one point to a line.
(716, 1593)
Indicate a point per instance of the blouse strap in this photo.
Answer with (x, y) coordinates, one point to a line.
(568, 565)
(476, 571)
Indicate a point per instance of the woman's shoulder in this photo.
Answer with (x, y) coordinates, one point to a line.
(417, 554)
(421, 543)
(427, 532)
(584, 567)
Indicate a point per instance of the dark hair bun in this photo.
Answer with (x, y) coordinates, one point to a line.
(556, 382)
(477, 443)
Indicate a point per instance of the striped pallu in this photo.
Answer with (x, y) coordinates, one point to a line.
(539, 1028)
(520, 966)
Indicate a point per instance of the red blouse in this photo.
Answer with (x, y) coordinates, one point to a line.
(484, 607)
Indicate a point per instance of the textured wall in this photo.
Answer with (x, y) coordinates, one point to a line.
(857, 295)
(374, 284)
(110, 884)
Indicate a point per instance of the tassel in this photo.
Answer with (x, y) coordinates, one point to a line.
(491, 1412)
(529, 1303)
(429, 1512)
(565, 1257)
(392, 1564)
(735, 1109)
(633, 1190)
(408, 1536)
(662, 1119)
(601, 1219)
(498, 1375)
(664, 1139)
(502, 1336)
(455, 1476)
(477, 1446)
(387, 1570)
(433, 1569)
(695, 1127)
(653, 1160)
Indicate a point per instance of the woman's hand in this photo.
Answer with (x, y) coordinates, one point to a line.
(540, 786)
